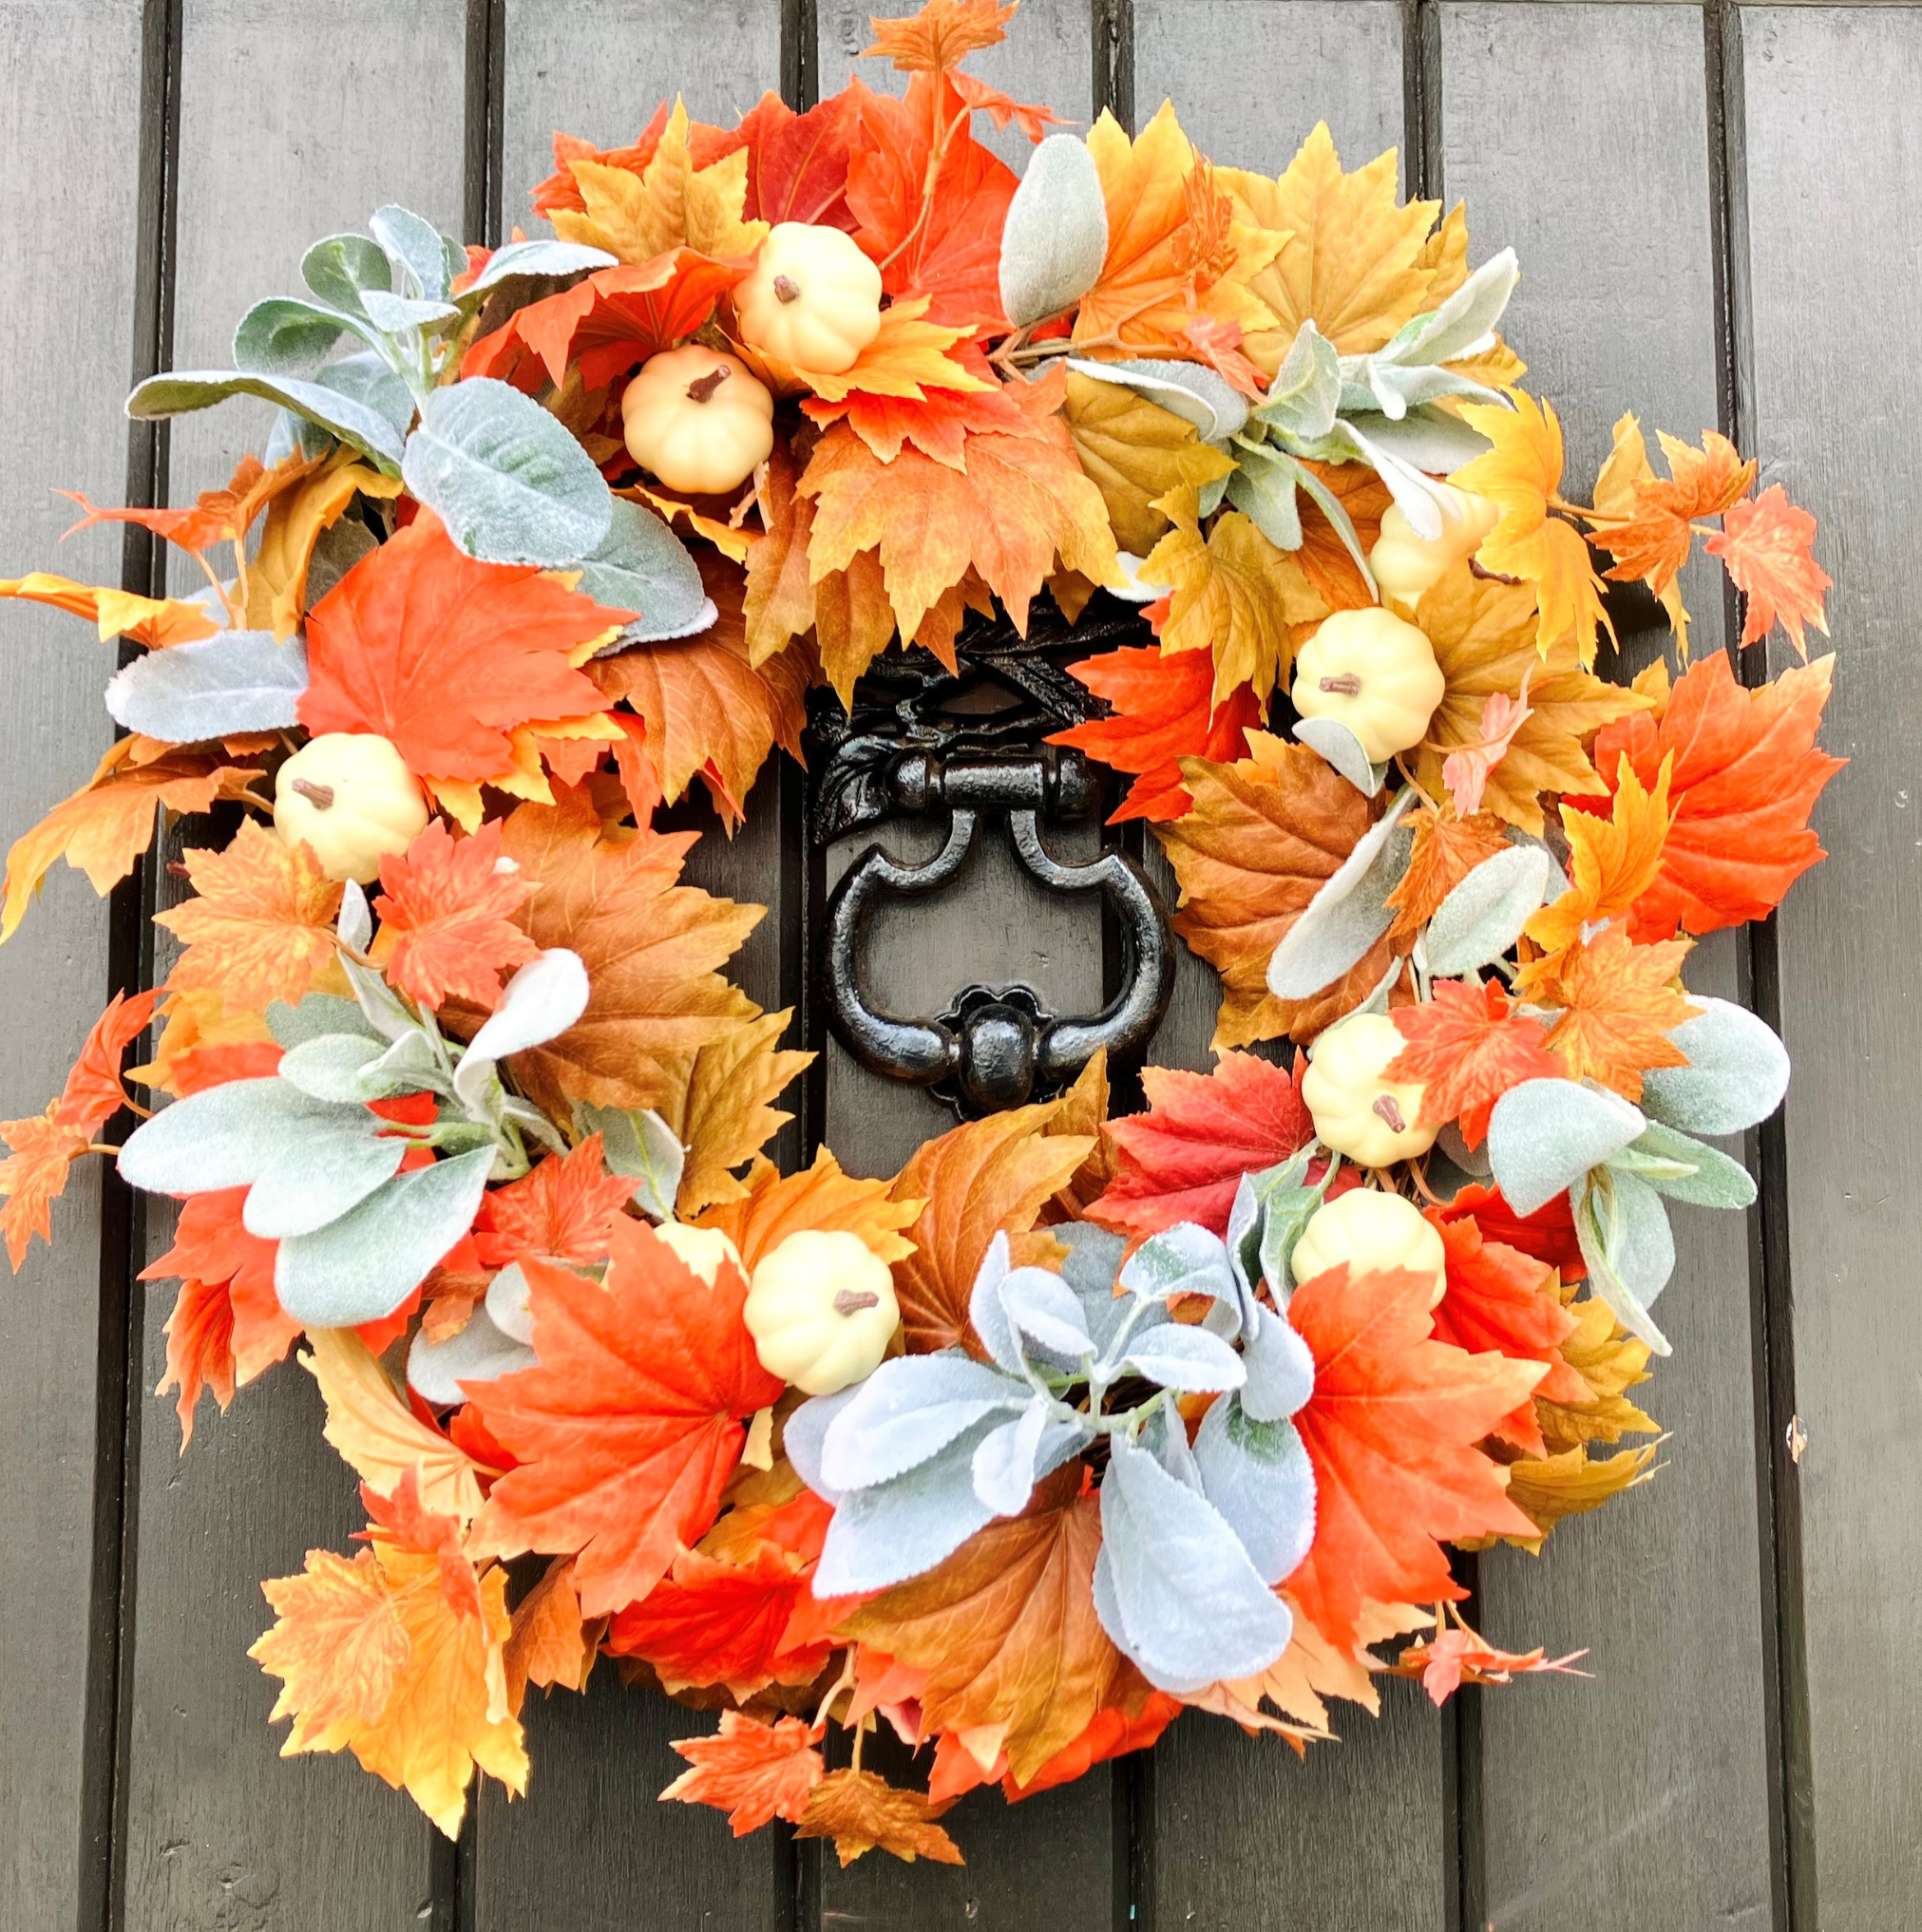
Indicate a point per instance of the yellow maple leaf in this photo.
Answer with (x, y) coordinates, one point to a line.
(1610, 1361)
(821, 1199)
(262, 924)
(1522, 476)
(1571, 1484)
(859, 1811)
(1136, 452)
(276, 579)
(908, 358)
(1483, 635)
(1231, 591)
(154, 621)
(1612, 861)
(1355, 263)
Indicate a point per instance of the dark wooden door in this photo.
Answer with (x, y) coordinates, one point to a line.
(1714, 208)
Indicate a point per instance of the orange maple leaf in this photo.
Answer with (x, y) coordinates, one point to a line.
(1612, 862)
(564, 1209)
(223, 516)
(1462, 1656)
(859, 1811)
(908, 359)
(938, 422)
(1766, 547)
(1390, 1430)
(154, 621)
(445, 655)
(631, 1422)
(1655, 544)
(942, 35)
(549, 1644)
(446, 914)
(753, 1771)
(1745, 775)
(978, 1179)
(822, 1198)
(1620, 1008)
(262, 923)
(1467, 1046)
(1447, 849)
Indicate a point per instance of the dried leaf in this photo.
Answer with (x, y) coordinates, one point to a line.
(859, 1811)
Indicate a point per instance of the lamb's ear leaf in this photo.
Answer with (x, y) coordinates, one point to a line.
(910, 1409)
(216, 687)
(438, 1372)
(181, 391)
(1055, 236)
(1737, 1072)
(1484, 915)
(227, 1136)
(1259, 1476)
(1544, 1135)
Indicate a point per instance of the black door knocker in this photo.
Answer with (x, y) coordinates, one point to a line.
(918, 743)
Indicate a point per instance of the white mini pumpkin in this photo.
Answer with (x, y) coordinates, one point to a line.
(700, 1249)
(700, 420)
(1358, 1111)
(1406, 565)
(822, 1311)
(814, 298)
(1376, 673)
(350, 796)
(1369, 1229)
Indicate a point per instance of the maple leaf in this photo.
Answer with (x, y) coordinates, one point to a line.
(1549, 1488)
(1548, 1234)
(753, 1771)
(1466, 769)
(1467, 1046)
(718, 1107)
(797, 163)
(1219, 345)
(983, 1178)
(1654, 542)
(1389, 1432)
(106, 825)
(1766, 547)
(1745, 774)
(942, 35)
(1522, 476)
(261, 924)
(1354, 263)
(1612, 861)
(1325, 556)
(1610, 1361)
(1264, 835)
(153, 621)
(421, 1712)
(821, 1198)
(1136, 452)
(1083, 1111)
(221, 516)
(935, 409)
(630, 1423)
(1483, 635)
(1460, 1656)
(1620, 1009)
(1133, 1719)
(564, 1209)
(1005, 1628)
(1185, 1157)
(909, 358)
(1022, 503)
(1447, 848)
(703, 703)
(445, 655)
(650, 948)
(1162, 711)
(1624, 470)
(859, 1811)
(1499, 1299)
(446, 914)
(561, 190)
(549, 1643)
(1232, 593)
(276, 579)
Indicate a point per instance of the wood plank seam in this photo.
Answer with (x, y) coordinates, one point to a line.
(485, 119)
(1772, 1324)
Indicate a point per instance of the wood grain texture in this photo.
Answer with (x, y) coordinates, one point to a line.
(72, 75)
(285, 136)
(1833, 279)
(1616, 312)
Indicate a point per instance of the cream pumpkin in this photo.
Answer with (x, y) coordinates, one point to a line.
(350, 796)
(822, 1311)
(814, 298)
(1370, 1229)
(1374, 671)
(701, 1250)
(700, 420)
(1358, 1111)
(1405, 564)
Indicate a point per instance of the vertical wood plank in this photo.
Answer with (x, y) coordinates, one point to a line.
(1616, 312)
(285, 134)
(589, 1849)
(1832, 279)
(71, 74)
(1357, 1835)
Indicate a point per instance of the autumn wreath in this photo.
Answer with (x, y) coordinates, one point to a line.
(1075, 1422)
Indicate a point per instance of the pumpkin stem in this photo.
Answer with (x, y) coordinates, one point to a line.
(1348, 684)
(1391, 1113)
(319, 796)
(849, 1303)
(787, 289)
(703, 388)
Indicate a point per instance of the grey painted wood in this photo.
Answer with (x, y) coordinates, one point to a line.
(1618, 312)
(284, 136)
(1831, 147)
(70, 74)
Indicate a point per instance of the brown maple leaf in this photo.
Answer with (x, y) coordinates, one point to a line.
(859, 1811)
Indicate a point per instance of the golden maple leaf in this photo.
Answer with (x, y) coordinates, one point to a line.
(1353, 265)
(154, 621)
(940, 35)
(1484, 639)
(859, 1811)
(1619, 1008)
(1233, 592)
(906, 357)
(550, 1643)
(1550, 1488)
(1522, 476)
(1612, 861)
(1136, 452)
(277, 578)
(1610, 1361)
(773, 1206)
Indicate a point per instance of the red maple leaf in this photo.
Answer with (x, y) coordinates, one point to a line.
(93, 1093)
(564, 1209)
(797, 163)
(447, 907)
(1163, 711)
(1469, 1046)
(1765, 545)
(1547, 1234)
(630, 1424)
(1746, 775)
(1185, 1157)
(939, 423)
(446, 655)
(1390, 1430)
(1499, 1298)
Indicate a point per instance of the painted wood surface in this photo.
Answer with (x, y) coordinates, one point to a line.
(1745, 1754)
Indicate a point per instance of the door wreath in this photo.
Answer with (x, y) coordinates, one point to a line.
(1076, 1422)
